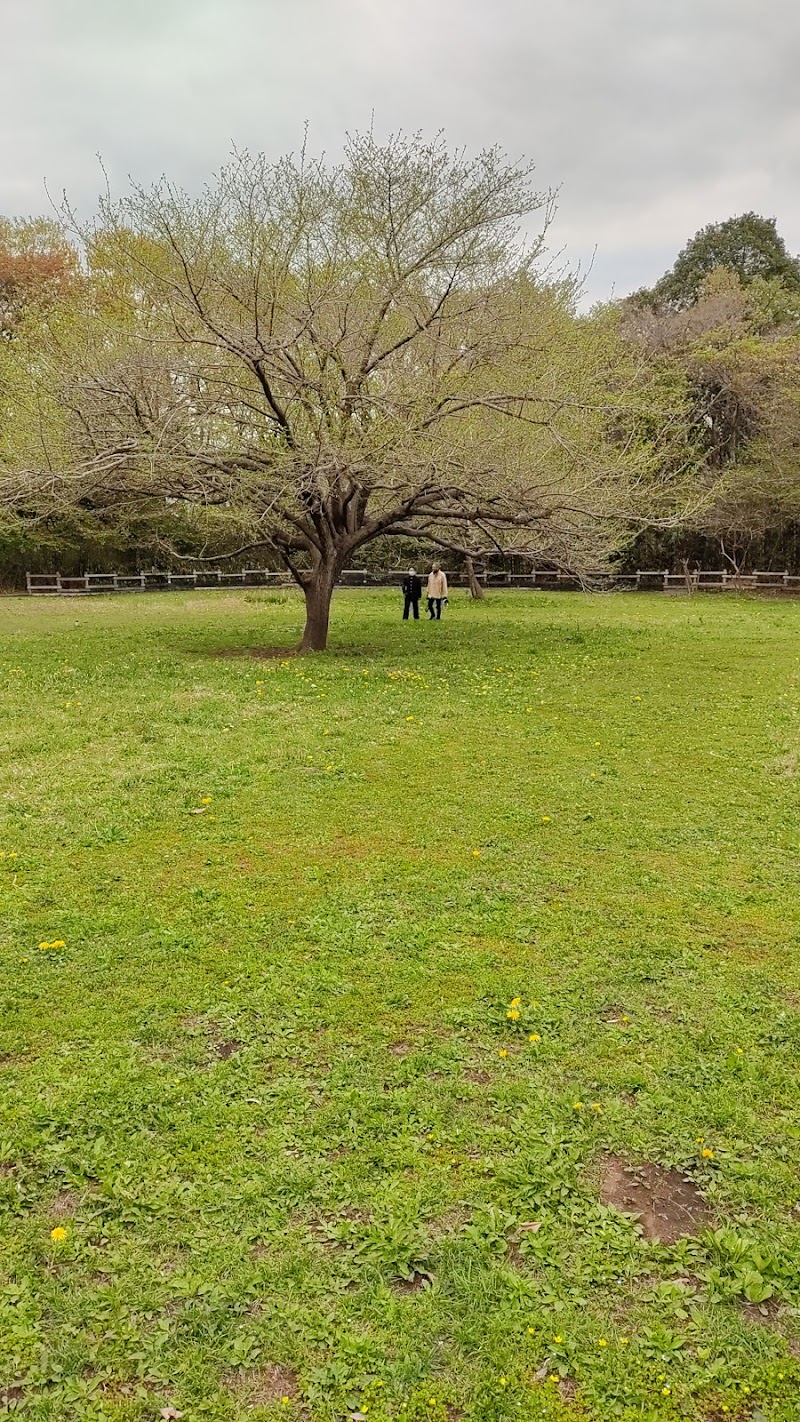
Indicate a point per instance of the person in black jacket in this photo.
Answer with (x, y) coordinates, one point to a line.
(412, 592)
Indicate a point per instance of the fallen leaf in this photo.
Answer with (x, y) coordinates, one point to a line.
(201, 811)
(541, 1373)
(170, 1413)
(530, 1227)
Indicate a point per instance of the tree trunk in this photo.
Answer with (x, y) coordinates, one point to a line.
(318, 590)
(474, 586)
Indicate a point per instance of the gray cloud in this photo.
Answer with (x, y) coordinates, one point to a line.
(654, 118)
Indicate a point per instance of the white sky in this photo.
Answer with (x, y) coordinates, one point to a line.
(653, 116)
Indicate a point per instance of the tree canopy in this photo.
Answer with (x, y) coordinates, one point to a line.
(748, 245)
(316, 356)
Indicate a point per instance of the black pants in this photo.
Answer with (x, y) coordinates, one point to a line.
(409, 603)
(435, 608)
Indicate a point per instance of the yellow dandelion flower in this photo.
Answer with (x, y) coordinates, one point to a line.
(44, 945)
(476, 854)
(58, 1234)
(545, 819)
(512, 1014)
(597, 1107)
(534, 1037)
(558, 1338)
(531, 1330)
(503, 1052)
(698, 1140)
(577, 1105)
(666, 1391)
(516, 1002)
(602, 1342)
(623, 1341)
(553, 1377)
(503, 1382)
(206, 800)
(409, 718)
(707, 1154)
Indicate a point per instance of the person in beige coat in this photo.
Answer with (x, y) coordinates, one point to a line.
(437, 592)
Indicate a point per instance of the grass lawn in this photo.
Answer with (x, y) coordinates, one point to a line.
(262, 926)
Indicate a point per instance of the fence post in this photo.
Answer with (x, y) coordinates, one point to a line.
(28, 581)
(724, 577)
(666, 580)
(786, 579)
(58, 582)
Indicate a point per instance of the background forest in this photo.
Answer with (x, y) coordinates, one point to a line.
(679, 405)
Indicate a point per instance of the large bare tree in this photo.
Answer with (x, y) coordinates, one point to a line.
(321, 355)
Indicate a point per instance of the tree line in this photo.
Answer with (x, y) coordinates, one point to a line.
(314, 364)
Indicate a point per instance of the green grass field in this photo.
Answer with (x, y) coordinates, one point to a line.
(264, 1078)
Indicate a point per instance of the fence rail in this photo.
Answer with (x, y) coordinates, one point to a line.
(644, 580)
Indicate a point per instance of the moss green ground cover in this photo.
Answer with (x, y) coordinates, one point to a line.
(263, 1076)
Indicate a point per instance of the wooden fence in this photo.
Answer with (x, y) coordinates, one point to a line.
(644, 580)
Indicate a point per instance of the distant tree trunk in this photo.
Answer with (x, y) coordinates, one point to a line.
(474, 586)
(318, 591)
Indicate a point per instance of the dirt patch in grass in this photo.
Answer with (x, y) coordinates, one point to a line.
(667, 1205)
(261, 654)
(764, 1313)
(221, 1046)
(413, 1285)
(224, 1049)
(64, 1205)
(480, 1078)
(400, 1049)
(568, 1388)
(257, 1387)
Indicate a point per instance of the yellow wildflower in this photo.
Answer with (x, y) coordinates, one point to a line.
(58, 1234)
(577, 1105)
(545, 819)
(503, 1052)
(602, 1342)
(512, 1014)
(707, 1154)
(516, 1002)
(534, 1037)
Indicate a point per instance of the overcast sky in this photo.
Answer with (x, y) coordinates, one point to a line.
(653, 116)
